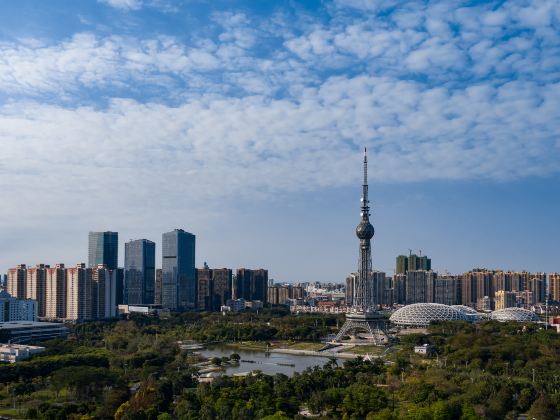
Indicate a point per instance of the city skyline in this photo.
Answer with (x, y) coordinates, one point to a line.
(241, 122)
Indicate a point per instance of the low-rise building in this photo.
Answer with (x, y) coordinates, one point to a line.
(31, 331)
(235, 305)
(141, 309)
(424, 349)
(12, 353)
(12, 309)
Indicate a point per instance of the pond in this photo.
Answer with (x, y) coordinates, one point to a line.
(268, 363)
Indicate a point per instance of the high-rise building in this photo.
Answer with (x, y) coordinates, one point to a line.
(179, 289)
(157, 288)
(399, 289)
(278, 294)
(519, 281)
(17, 280)
(103, 293)
(419, 286)
(505, 299)
(204, 285)
(12, 309)
(79, 303)
(117, 277)
(554, 287)
(103, 249)
(484, 304)
(484, 284)
(214, 288)
(402, 264)
(251, 284)
(349, 292)
(412, 263)
(475, 285)
(222, 284)
(537, 285)
(444, 290)
(525, 299)
(378, 285)
(140, 269)
(36, 287)
(56, 292)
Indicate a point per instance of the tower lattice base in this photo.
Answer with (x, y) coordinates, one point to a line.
(369, 322)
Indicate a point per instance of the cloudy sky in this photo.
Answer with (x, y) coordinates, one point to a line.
(243, 122)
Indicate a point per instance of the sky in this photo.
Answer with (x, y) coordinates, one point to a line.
(244, 122)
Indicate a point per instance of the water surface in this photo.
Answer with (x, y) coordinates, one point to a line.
(268, 363)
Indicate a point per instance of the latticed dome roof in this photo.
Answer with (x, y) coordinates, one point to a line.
(465, 309)
(423, 314)
(515, 314)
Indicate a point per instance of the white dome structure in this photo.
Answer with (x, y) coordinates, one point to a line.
(471, 313)
(515, 314)
(423, 314)
(465, 309)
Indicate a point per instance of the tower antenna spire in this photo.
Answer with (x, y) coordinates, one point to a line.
(365, 199)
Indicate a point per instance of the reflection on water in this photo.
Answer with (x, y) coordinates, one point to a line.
(268, 363)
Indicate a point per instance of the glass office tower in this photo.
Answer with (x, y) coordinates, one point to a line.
(103, 249)
(178, 289)
(140, 271)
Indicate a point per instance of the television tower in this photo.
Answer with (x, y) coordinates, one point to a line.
(363, 291)
(363, 315)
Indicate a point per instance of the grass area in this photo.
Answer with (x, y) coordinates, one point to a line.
(372, 350)
(305, 346)
(11, 413)
(248, 345)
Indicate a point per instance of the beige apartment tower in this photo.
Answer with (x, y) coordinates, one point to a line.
(17, 279)
(35, 287)
(78, 293)
(55, 292)
(505, 299)
(554, 286)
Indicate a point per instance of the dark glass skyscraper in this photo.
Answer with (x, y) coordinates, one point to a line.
(140, 271)
(103, 249)
(178, 289)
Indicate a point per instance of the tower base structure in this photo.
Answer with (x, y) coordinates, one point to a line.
(370, 322)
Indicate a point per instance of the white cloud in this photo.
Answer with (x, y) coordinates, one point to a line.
(123, 4)
(134, 154)
(437, 92)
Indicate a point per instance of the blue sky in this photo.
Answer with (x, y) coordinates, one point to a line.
(243, 122)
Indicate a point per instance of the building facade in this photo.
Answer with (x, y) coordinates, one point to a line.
(140, 269)
(36, 286)
(554, 286)
(55, 291)
(103, 249)
(444, 290)
(179, 291)
(214, 288)
(419, 286)
(12, 309)
(103, 293)
(17, 280)
(79, 302)
(158, 286)
(251, 284)
(505, 299)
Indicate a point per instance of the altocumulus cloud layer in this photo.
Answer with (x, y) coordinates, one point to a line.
(255, 106)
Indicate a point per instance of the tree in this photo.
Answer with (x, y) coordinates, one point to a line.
(279, 415)
(542, 409)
